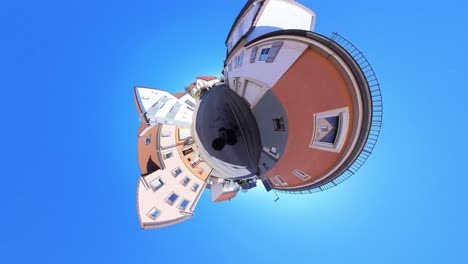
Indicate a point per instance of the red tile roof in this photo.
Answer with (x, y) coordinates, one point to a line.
(180, 94)
(206, 78)
(226, 196)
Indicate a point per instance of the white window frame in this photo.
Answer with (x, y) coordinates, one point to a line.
(166, 134)
(266, 54)
(302, 175)
(176, 175)
(169, 201)
(343, 126)
(155, 188)
(149, 214)
(183, 183)
(193, 187)
(168, 152)
(183, 209)
(280, 180)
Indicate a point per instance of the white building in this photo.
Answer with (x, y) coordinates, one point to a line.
(159, 106)
(173, 177)
(206, 81)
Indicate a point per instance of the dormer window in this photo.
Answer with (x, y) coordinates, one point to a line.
(330, 129)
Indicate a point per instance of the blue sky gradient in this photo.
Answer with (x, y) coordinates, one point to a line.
(69, 138)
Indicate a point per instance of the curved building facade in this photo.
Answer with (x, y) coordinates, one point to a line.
(298, 111)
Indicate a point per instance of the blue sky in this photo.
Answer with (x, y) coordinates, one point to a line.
(69, 137)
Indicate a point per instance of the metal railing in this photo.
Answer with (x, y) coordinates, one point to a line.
(376, 121)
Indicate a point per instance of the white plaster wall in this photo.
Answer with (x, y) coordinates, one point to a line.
(153, 94)
(283, 15)
(213, 82)
(247, 20)
(168, 141)
(252, 91)
(147, 198)
(268, 73)
(184, 116)
(186, 97)
(201, 83)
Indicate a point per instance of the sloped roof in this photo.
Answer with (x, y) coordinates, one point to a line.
(179, 94)
(206, 78)
(226, 196)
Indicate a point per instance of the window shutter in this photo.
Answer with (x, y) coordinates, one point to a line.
(274, 51)
(253, 54)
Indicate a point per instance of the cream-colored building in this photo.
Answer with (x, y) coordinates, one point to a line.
(173, 176)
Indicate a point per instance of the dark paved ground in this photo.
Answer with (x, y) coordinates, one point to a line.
(223, 108)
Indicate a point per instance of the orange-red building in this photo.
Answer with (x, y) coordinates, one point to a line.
(316, 100)
(297, 110)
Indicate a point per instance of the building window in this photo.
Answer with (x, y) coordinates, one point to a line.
(278, 123)
(273, 150)
(156, 184)
(153, 213)
(280, 180)
(301, 174)
(239, 59)
(330, 129)
(230, 66)
(176, 172)
(264, 54)
(172, 198)
(272, 181)
(190, 103)
(183, 204)
(195, 187)
(167, 155)
(148, 140)
(187, 151)
(166, 133)
(185, 181)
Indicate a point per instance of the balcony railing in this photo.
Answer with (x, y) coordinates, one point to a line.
(376, 121)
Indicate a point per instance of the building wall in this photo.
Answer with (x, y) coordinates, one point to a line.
(268, 108)
(185, 114)
(280, 14)
(261, 70)
(242, 26)
(147, 151)
(169, 141)
(312, 85)
(149, 96)
(164, 111)
(147, 198)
